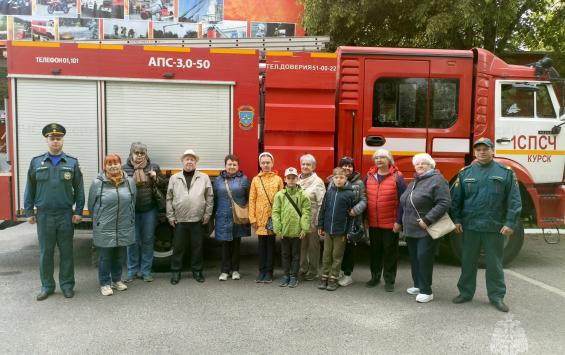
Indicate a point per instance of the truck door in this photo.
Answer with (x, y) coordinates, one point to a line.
(395, 106)
(524, 117)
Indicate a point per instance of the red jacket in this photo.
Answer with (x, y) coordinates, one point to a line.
(382, 198)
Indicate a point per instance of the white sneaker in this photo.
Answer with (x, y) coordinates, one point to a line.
(106, 290)
(120, 286)
(423, 298)
(346, 280)
(235, 275)
(413, 291)
(223, 276)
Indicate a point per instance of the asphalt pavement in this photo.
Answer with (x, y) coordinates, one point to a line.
(243, 317)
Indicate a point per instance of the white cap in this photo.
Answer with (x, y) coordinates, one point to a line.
(290, 171)
(189, 152)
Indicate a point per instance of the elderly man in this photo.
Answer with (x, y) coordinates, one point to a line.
(486, 206)
(54, 185)
(190, 201)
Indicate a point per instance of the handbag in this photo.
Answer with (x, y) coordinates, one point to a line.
(269, 226)
(356, 231)
(441, 227)
(240, 214)
(159, 197)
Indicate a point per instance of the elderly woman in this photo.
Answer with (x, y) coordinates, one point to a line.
(262, 192)
(111, 202)
(427, 196)
(314, 187)
(146, 175)
(232, 186)
(385, 184)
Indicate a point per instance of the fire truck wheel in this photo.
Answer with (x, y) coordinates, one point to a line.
(163, 247)
(512, 246)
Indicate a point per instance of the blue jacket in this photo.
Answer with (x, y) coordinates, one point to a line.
(333, 217)
(225, 229)
(52, 187)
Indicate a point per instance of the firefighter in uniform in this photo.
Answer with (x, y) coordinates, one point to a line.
(54, 185)
(486, 206)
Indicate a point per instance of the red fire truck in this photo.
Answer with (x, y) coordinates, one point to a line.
(219, 100)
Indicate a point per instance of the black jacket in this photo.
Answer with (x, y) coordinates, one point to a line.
(333, 217)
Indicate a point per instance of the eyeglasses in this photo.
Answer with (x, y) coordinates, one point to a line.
(139, 153)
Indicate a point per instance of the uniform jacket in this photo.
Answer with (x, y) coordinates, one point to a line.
(315, 189)
(486, 198)
(383, 197)
(113, 211)
(334, 213)
(145, 200)
(54, 187)
(430, 196)
(225, 229)
(358, 188)
(286, 221)
(190, 205)
(259, 206)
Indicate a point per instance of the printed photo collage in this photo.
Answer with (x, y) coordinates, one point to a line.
(81, 20)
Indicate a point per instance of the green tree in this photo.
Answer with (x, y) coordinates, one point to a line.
(496, 25)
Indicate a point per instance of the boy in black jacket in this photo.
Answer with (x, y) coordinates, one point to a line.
(333, 223)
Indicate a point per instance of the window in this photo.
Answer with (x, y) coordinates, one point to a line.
(444, 102)
(544, 107)
(403, 102)
(400, 102)
(517, 100)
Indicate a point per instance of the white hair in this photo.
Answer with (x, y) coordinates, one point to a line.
(425, 157)
(308, 158)
(384, 153)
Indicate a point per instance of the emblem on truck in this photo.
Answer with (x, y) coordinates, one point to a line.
(246, 115)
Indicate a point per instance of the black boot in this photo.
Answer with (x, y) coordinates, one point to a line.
(175, 277)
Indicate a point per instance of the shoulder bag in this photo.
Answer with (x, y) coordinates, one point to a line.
(440, 228)
(269, 226)
(293, 204)
(240, 214)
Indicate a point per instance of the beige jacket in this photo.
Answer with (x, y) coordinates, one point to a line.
(315, 189)
(190, 205)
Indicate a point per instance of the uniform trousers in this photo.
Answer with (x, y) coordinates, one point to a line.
(55, 228)
(493, 245)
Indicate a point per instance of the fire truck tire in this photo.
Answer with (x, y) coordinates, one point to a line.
(512, 246)
(163, 246)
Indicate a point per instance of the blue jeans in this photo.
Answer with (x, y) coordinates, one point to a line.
(140, 254)
(110, 261)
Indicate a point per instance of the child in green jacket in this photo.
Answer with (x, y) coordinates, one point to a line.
(291, 221)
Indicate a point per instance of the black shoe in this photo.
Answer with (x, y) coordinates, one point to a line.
(500, 306)
(68, 293)
(43, 295)
(268, 278)
(373, 282)
(198, 276)
(309, 277)
(389, 287)
(175, 278)
(260, 278)
(460, 299)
